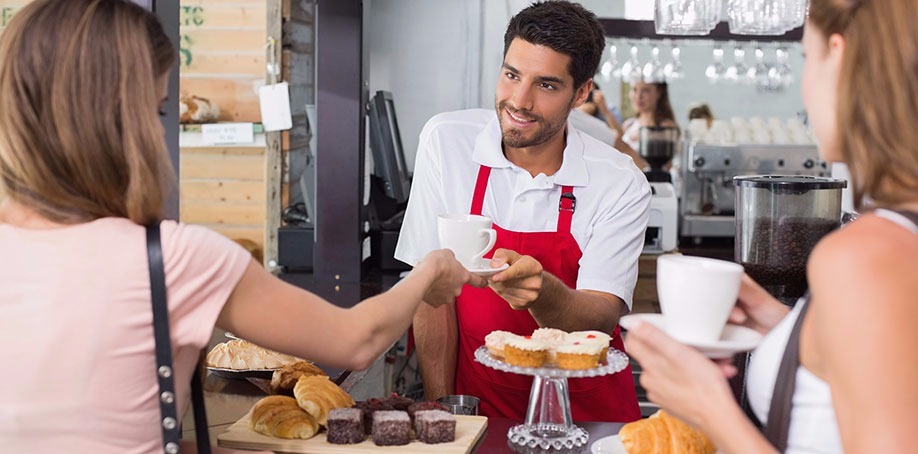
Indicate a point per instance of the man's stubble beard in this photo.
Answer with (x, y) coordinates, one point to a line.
(514, 139)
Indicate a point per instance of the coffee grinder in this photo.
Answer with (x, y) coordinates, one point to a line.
(779, 219)
(657, 147)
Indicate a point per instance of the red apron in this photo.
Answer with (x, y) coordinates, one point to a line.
(480, 311)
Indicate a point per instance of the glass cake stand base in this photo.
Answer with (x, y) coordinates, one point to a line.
(549, 426)
(547, 438)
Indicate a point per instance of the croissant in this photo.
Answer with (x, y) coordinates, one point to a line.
(318, 395)
(280, 416)
(285, 378)
(662, 433)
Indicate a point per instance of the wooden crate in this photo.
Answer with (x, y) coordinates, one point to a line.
(223, 188)
(222, 54)
(8, 9)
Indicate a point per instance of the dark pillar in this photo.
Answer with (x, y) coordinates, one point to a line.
(341, 67)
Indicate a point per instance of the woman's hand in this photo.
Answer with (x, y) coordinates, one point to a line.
(678, 377)
(756, 308)
(449, 277)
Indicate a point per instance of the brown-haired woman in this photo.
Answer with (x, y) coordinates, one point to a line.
(83, 168)
(857, 383)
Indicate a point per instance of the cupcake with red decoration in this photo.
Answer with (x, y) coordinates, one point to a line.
(496, 340)
(599, 337)
(525, 352)
(579, 355)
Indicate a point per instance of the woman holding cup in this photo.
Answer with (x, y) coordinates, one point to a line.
(832, 402)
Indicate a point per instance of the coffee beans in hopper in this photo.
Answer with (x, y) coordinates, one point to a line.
(778, 252)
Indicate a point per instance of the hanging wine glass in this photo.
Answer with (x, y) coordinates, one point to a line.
(653, 70)
(758, 73)
(610, 69)
(736, 73)
(631, 69)
(780, 75)
(673, 70)
(716, 70)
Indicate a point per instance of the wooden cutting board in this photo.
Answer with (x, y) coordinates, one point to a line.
(240, 436)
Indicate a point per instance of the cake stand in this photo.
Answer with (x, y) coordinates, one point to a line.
(549, 426)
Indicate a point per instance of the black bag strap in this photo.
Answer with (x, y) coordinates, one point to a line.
(782, 397)
(164, 371)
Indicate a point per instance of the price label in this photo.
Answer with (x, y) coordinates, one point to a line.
(228, 133)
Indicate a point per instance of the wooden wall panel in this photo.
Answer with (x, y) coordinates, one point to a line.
(223, 188)
(222, 54)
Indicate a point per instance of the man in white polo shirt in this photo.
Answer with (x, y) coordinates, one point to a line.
(570, 214)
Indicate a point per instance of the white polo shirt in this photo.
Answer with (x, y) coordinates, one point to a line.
(613, 197)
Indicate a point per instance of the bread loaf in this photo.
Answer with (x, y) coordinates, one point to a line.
(318, 395)
(285, 378)
(238, 354)
(280, 416)
(662, 433)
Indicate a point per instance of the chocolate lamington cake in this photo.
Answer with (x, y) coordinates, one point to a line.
(369, 407)
(424, 405)
(400, 403)
(435, 426)
(391, 428)
(345, 426)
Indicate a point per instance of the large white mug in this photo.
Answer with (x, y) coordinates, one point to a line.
(469, 236)
(696, 295)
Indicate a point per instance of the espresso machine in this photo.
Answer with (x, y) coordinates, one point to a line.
(707, 205)
(657, 147)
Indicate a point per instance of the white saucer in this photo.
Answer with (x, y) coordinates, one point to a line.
(484, 268)
(733, 340)
(608, 445)
(611, 445)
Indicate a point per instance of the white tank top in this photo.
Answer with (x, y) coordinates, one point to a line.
(632, 134)
(813, 427)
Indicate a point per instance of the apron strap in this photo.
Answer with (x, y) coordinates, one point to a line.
(566, 209)
(480, 187)
(777, 427)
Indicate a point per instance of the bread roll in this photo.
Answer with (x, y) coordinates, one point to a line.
(285, 378)
(280, 416)
(318, 395)
(662, 433)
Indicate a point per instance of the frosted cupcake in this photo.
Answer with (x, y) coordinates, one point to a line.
(495, 342)
(592, 336)
(524, 352)
(579, 355)
(552, 337)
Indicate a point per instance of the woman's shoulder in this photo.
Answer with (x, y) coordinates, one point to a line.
(184, 242)
(869, 255)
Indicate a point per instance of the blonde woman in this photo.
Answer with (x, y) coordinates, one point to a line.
(83, 168)
(857, 381)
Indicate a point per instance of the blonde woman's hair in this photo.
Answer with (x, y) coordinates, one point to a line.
(80, 137)
(877, 94)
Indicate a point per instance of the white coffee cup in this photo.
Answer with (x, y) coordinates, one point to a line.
(469, 236)
(696, 295)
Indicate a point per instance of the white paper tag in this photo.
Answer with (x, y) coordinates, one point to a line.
(275, 107)
(226, 133)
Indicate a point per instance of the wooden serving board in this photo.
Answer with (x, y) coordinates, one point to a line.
(241, 436)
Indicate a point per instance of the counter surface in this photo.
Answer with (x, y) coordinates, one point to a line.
(229, 400)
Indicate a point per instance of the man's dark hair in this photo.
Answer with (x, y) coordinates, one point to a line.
(564, 27)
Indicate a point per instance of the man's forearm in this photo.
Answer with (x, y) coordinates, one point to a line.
(561, 307)
(436, 336)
